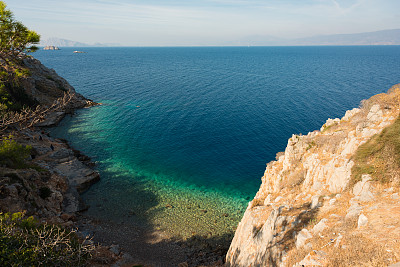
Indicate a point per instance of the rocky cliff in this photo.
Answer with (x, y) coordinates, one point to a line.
(45, 86)
(49, 182)
(321, 204)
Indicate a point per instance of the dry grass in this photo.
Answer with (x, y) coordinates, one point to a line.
(294, 178)
(331, 141)
(257, 202)
(368, 246)
(295, 256)
(357, 250)
(387, 101)
(380, 156)
(354, 248)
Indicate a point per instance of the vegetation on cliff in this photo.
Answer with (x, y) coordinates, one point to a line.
(15, 41)
(26, 242)
(12, 154)
(31, 94)
(15, 38)
(380, 156)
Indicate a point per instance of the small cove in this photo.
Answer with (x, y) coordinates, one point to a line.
(183, 134)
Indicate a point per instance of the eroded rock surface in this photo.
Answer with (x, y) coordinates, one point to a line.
(55, 175)
(52, 185)
(305, 183)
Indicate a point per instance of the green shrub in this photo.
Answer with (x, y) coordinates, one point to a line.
(5, 98)
(12, 154)
(13, 96)
(25, 242)
(20, 73)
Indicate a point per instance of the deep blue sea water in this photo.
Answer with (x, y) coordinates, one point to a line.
(198, 125)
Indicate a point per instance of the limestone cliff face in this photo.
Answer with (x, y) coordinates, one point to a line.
(303, 184)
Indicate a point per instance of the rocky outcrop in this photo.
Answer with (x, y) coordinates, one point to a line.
(50, 184)
(45, 86)
(51, 47)
(291, 210)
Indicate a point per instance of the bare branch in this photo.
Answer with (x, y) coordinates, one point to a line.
(27, 117)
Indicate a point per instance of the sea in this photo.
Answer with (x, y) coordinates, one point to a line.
(183, 134)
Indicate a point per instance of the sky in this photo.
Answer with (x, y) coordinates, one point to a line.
(200, 22)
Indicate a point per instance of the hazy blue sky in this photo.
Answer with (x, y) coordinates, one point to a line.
(201, 22)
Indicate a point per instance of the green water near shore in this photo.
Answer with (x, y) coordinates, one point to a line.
(128, 194)
(128, 198)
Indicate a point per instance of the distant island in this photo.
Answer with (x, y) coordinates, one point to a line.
(54, 41)
(51, 47)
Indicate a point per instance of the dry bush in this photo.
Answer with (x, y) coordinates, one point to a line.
(25, 242)
(27, 117)
(257, 202)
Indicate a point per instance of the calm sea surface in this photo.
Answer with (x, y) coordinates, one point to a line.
(184, 134)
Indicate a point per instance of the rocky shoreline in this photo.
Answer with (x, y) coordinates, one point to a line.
(50, 187)
(310, 210)
(64, 172)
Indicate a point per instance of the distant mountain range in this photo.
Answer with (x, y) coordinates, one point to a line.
(384, 37)
(54, 41)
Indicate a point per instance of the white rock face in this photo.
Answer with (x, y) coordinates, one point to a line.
(375, 114)
(350, 113)
(362, 221)
(319, 227)
(317, 164)
(259, 234)
(354, 210)
(362, 189)
(314, 202)
(302, 238)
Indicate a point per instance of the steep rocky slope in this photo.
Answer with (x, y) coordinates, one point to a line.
(45, 86)
(316, 205)
(49, 183)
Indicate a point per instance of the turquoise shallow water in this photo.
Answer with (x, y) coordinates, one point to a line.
(185, 133)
